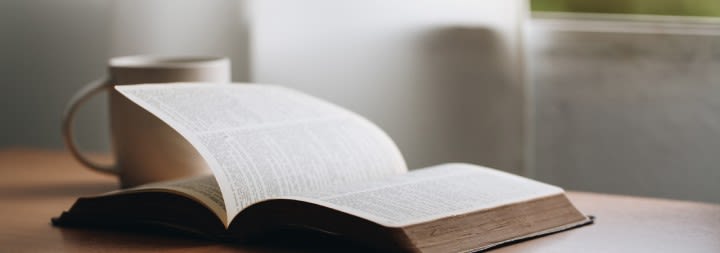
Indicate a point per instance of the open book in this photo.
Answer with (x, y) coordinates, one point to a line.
(281, 159)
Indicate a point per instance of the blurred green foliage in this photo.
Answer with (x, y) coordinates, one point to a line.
(653, 7)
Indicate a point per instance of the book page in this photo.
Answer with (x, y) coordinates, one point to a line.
(265, 141)
(431, 193)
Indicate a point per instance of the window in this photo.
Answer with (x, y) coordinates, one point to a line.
(709, 8)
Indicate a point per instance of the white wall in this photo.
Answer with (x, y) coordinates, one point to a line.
(52, 48)
(441, 77)
(629, 107)
(170, 27)
(48, 50)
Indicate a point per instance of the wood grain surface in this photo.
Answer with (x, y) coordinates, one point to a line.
(36, 185)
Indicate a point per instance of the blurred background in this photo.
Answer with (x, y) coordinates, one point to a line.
(594, 95)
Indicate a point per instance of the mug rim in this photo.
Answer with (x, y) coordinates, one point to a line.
(159, 61)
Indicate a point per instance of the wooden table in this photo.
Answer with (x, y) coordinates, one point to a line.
(37, 185)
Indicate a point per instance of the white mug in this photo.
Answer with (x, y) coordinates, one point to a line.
(145, 148)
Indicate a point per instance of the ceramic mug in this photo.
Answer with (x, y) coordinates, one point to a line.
(145, 148)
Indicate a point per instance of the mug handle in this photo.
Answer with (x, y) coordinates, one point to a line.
(79, 98)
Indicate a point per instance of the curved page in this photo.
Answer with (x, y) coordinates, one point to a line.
(264, 141)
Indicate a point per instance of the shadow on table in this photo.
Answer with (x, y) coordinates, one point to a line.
(306, 241)
(162, 240)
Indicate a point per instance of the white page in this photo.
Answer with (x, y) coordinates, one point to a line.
(265, 141)
(427, 194)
